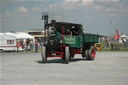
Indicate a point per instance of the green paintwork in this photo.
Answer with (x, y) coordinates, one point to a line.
(72, 41)
(77, 41)
(90, 38)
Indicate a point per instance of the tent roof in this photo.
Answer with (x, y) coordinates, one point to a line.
(23, 36)
(7, 36)
(123, 36)
(11, 34)
(18, 35)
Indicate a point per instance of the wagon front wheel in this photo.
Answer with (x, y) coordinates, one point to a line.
(43, 54)
(67, 54)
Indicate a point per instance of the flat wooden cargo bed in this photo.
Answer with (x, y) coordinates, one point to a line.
(90, 38)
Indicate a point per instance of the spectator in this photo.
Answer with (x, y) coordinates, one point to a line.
(24, 44)
(27, 44)
(36, 46)
(31, 44)
(29, 47)
(125, 44)
(40, 42)
(18, 45)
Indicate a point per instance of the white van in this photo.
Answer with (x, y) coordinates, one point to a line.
(7, 42)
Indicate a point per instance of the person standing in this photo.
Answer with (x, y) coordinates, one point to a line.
(36, 46)
(125, 44)
(28, 45)
(18, 45)
(40, 42)
(31, 44)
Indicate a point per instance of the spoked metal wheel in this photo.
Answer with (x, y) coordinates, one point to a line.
(43, 54)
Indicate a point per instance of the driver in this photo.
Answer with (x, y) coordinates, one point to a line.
(51, 31)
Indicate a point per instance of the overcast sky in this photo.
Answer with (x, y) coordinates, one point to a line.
(102, 16)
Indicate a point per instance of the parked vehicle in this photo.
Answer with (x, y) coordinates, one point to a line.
(63, 39)
(7, 43)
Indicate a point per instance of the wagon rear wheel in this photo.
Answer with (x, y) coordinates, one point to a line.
(43, 54)
(91, 53)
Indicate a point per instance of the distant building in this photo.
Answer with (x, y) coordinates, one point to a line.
(37, 33)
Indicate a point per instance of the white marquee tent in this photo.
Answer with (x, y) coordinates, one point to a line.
(21, 35)
(24, 36)
(123, 36)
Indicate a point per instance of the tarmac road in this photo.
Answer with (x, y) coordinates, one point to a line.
(109, 68)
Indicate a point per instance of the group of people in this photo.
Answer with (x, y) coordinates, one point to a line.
(106, 41)
(28, 44)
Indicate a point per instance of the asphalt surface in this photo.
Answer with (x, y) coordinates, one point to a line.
(109, 68)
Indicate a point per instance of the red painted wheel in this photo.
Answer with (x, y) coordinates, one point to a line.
(92, 53)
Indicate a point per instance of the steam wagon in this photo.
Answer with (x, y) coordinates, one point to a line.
(64, 40)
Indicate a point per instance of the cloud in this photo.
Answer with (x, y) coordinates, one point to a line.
(36, 9)
(0, 22)
(85, 8)
(86, 2)
(99, 7)
(8, 14)
(22, 10)
(90, 13)
(118, 9)
(107, 0)
(81, 2)
(71, 0)
(124, 4)
(2, 3)
(17, 0)
(111, 10)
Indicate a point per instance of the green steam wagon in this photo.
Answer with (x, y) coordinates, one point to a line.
(63, 39)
